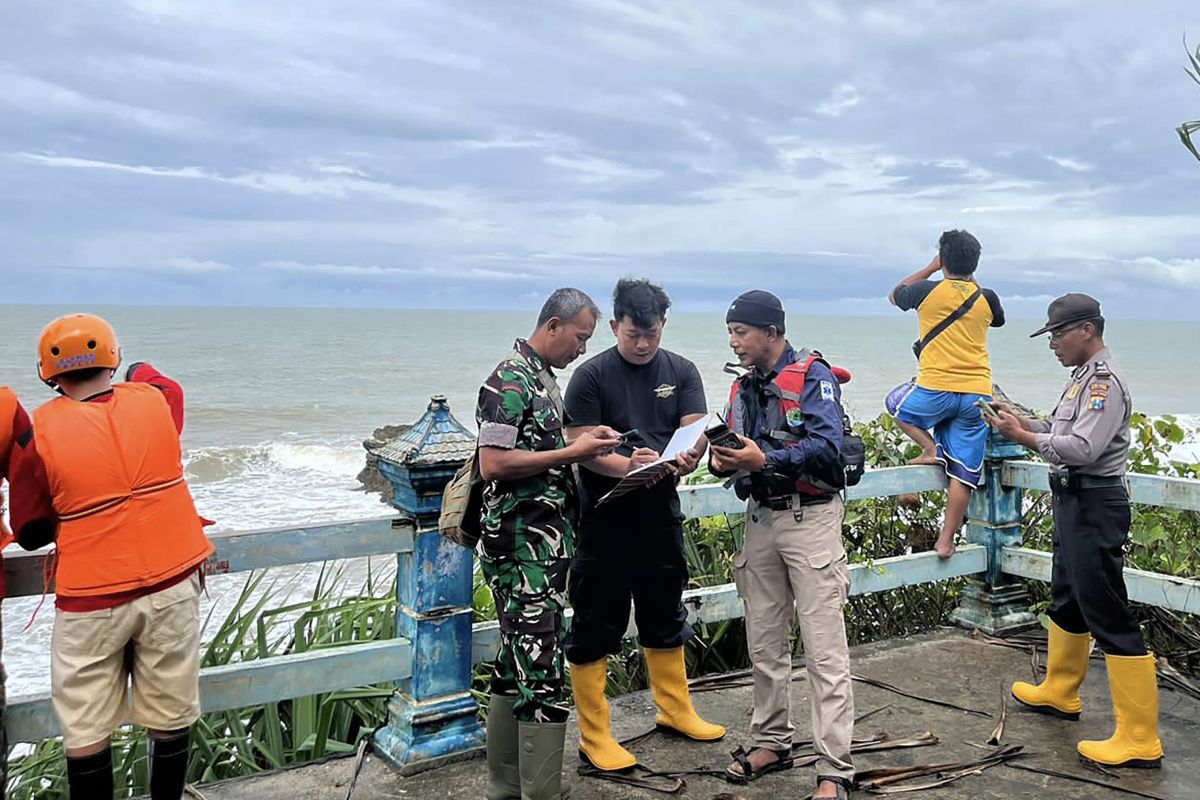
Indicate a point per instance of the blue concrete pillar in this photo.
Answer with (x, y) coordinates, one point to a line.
(993, 602)
(432, 717)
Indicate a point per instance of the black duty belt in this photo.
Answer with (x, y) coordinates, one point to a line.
(790, 501)
(1071, 481)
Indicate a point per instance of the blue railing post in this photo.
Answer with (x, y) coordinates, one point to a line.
(432, 717)
(992, 601)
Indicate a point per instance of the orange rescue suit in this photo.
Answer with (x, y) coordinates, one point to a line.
(8, 412)
(126, 517)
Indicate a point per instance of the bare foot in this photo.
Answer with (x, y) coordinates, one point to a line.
(924, 460)
(944, 549)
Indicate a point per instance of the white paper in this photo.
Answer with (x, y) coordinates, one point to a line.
(682, 440)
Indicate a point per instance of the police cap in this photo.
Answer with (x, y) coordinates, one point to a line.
(1068, 310)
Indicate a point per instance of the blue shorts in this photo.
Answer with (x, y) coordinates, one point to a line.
(957, 424)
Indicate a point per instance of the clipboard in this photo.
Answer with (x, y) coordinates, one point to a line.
(682, 440)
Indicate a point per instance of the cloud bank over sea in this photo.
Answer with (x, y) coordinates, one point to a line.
(454, 154)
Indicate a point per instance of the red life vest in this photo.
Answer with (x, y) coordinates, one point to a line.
(785, 418)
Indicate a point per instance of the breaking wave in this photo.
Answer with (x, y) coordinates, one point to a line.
(279, 483)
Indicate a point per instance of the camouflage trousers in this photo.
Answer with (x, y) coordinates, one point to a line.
(530, 599)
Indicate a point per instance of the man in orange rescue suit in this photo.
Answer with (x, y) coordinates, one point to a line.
(100, 475)
(787, 412)
(12, 419)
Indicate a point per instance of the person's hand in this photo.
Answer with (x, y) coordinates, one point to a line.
(641, 457)
(599, 441)
(686, 462)
(750, 457)
(997, 408)
(935, 264)
(1007, 423)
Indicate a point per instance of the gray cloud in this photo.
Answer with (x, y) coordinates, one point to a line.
(433, 153)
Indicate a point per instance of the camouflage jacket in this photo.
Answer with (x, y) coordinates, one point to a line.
(529, 519)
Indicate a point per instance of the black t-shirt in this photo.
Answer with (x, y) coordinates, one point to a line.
(654, 397)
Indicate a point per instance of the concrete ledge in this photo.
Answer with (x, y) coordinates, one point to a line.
(947, 666)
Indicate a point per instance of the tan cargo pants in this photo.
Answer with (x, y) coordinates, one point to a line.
(798, 566)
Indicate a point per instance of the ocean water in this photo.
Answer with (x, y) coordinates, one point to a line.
(279, 400)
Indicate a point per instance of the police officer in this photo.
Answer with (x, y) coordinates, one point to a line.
(1087, 443)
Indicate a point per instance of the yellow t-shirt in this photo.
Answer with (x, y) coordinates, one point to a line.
(957, 360)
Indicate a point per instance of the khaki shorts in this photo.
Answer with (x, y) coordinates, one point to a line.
(150, 645)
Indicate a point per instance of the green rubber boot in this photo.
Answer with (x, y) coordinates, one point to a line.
(542, 760)
(504, 773)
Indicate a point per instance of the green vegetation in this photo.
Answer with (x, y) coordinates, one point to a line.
(242, 742)
(1187, 129)
(245, 741)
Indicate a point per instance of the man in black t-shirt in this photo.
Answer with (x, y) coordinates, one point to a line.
(631, 548)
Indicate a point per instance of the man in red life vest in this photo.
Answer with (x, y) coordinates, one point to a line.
(788, 415)
(100, 475)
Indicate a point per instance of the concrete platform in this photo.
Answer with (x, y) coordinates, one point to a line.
(948, 666)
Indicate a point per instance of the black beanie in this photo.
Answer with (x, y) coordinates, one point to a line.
(758, 308)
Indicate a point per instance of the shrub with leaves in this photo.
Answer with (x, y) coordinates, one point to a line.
(1188, 129)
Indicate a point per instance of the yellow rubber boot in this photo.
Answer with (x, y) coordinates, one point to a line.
(1135, 742)
(1066, 666)
(596, 742)
(668, 683)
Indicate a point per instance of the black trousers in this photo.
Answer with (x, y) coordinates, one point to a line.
(1087, 586)
(621, 558)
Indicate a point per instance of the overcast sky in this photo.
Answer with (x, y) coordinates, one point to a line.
(462, 154)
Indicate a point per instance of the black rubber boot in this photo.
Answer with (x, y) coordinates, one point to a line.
(91, 777)
(168, 766)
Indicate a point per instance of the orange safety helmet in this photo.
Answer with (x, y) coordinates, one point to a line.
(74, 342)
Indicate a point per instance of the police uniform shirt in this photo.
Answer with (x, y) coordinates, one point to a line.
(653, 398)
(1089, 431)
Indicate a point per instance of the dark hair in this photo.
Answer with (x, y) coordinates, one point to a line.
(959, 251)
(566, 304)
(643, 302)
(1098, 324)
(81, 375)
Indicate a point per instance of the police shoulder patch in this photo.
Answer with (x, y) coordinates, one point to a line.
(826, 390)
(1096, 403)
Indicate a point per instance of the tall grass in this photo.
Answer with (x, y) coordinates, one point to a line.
(246, 741)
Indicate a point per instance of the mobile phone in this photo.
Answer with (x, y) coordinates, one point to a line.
(628, 436)
(721, 436)
(988, 408)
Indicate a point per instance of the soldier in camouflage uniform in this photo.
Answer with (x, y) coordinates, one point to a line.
(530, 506)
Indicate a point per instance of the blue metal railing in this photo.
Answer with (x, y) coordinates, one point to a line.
(432, 714)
